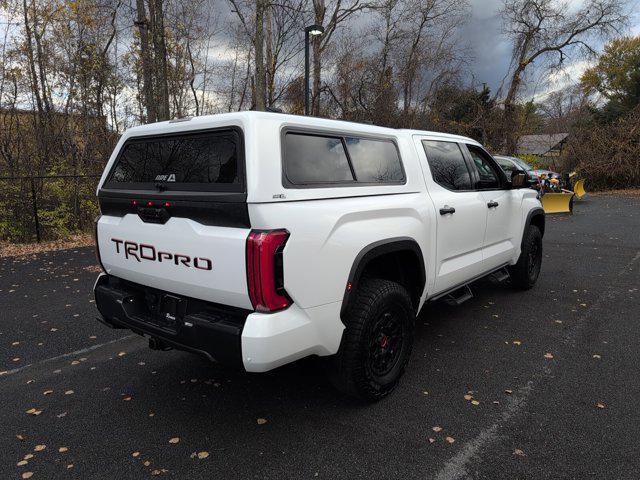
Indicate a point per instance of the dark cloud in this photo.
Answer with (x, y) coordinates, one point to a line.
(491, 51)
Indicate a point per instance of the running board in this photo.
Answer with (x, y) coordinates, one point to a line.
(462, 292)
(459, 296)
(499, 276)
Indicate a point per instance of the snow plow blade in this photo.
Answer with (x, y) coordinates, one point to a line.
(579, 190)
(558, 202)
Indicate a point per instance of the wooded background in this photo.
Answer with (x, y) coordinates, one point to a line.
(76, 74)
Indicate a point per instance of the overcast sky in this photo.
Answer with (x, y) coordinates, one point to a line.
(489, 50)
(492, 52)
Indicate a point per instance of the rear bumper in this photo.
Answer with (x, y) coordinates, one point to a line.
(257, 342)
(201, 327)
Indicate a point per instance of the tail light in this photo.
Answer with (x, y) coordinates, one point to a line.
(97, 247)
(265, 276)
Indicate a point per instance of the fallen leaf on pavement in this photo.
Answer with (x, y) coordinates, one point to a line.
(27, 475)
(475, 402)
(600, 405)
(437, 429)
(39, 448)
(468, 397)
(202, 455)
(47, 392)
(21, 463)
(548, 356)
(63, 449)
(450, 439)
(174, 440)
(135, 454)
(34, 411)
(432, 440)
(261, 421)
(508, 392)
(69, 392)
(518, 452)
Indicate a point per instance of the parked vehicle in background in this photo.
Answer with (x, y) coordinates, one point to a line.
(257, 239)
(511, 164)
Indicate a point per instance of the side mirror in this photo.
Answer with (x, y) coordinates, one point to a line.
(518, 179)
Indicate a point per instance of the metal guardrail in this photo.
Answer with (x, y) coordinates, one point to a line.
(48, 193)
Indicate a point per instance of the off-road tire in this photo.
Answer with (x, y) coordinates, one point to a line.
(525, 273)
(359, 367)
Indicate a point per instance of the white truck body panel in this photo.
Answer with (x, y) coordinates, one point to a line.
(328, 225)
(226, 282)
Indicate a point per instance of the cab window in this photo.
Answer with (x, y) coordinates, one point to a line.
(489, 178)
(506, 164)
(447, 164)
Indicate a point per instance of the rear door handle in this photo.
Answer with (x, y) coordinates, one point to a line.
(447, 209)
(492, 204)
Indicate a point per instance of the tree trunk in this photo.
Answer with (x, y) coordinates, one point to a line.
(260, 85)
(316, 47)
(270, 61)
(510, 121)
(147, 67)
(193, 78)
(32, 66)
(160, 57)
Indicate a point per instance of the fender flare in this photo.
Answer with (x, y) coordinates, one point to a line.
(377, 249)
(534, 212)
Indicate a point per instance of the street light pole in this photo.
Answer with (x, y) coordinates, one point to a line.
(311, 30)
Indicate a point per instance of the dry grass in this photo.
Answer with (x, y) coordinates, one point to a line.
(22, 249)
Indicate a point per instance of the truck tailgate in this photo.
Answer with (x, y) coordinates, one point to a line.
(180, 256)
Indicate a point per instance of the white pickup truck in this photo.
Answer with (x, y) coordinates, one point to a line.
(258, 239)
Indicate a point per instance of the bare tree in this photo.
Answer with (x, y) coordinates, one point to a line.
(548, 30)
(261, 86)
(156, 12)
(147, 67)
(331, 15)
(431, 54)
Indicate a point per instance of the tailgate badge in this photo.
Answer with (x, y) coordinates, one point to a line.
(145, 252)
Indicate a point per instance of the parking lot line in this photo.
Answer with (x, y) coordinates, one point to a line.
(65, 355)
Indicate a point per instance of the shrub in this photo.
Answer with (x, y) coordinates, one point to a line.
(608, 156)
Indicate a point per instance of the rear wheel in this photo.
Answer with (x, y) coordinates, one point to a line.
(525, 273)
(377, 341)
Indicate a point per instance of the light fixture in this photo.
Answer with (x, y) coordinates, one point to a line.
(310, 31)
(315, 30)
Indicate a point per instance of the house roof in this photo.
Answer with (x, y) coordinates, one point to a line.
(540, 144)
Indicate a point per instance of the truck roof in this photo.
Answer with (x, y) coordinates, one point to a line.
(203, 121)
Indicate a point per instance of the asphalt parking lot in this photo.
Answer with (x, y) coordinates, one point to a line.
(538, 384)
